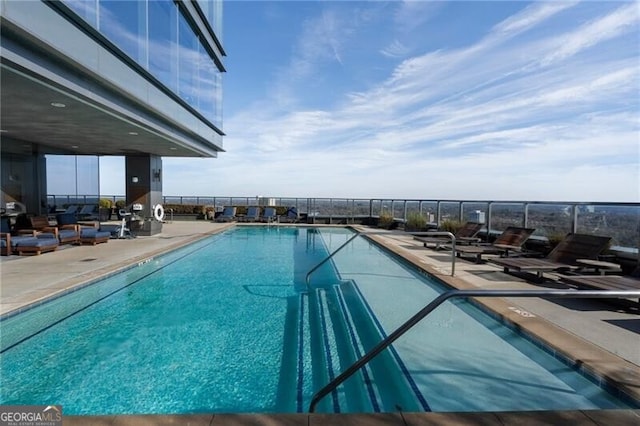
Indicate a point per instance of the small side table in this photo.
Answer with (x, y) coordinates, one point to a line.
(601, 267)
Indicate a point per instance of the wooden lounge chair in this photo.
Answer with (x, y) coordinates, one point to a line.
(564, 256)
(465, 235)
(512, 239)
(29, 242)
(605, 282)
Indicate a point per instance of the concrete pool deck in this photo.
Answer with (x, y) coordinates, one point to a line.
(600, 336)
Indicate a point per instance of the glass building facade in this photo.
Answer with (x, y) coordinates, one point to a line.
(161, 37)
(86, 79)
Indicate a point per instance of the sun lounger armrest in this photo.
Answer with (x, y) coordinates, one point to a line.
(23, 232)
(74, 227)
(507, 247)
(95, 225)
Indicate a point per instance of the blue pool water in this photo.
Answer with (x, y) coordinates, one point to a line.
(227, 325)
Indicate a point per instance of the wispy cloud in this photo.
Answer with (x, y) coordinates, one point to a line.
(395, 50)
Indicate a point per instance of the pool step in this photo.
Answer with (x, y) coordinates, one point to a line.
(341, 330)
(396, 389)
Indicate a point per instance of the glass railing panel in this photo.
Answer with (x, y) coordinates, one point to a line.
(361, 208)
(376, 207)
(413, 207)
(449, 210)
(205, 201)
(550, 220)
(505, 215)
(223, 201)
(474, 212)
(239, 201)
(429, 210)
(398, 209)
(341, 208)
(289, 202)
(621, 223)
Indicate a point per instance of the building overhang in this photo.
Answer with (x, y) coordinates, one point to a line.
(89, 105)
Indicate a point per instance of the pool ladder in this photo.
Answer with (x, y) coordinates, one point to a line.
(385, 343)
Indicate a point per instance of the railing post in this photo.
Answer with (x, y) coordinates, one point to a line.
(525, 215)
(488, 223)
(574, 218)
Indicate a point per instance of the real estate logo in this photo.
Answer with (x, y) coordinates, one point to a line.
(30, 415)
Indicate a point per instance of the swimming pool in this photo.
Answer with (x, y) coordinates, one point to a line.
(226, 325)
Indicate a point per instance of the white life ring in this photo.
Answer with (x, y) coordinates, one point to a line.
(158, 212)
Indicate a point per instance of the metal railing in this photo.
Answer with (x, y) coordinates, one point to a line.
(402, 329)
(326, 259)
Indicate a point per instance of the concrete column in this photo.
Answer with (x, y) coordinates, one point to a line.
(144, 186)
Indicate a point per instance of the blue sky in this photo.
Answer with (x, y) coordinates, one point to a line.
(455, 100)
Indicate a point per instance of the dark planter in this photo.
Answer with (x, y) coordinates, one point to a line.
(104, 214)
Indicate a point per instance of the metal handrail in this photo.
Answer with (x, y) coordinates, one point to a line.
(445, 234)
(326, 259)
(398, 332)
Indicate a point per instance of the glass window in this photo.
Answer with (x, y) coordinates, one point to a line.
(188, 58)
(73, 175)
(206, 94)
(124, 22)
(163, 42)
(212, 10)
(218, 99)
(86, 9)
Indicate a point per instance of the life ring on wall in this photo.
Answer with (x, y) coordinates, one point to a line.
(158, 212)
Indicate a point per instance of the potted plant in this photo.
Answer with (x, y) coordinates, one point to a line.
(415, 222)
(451, 225)
(386, 220)
(104, 209)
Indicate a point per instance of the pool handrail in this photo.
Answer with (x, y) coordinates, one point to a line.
(326, 259)
(442, 234)
(407, 325)
(358, 233)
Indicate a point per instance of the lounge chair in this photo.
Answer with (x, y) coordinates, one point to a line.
(253, 214)
(72, 209)
(24, 244)
(269, 215)
(89, 234)
(291, 216)
(605, 282)
(465, 235)
(64, 234)
(564, 256)
(511, 239)
(228, 214)
(88, 212)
